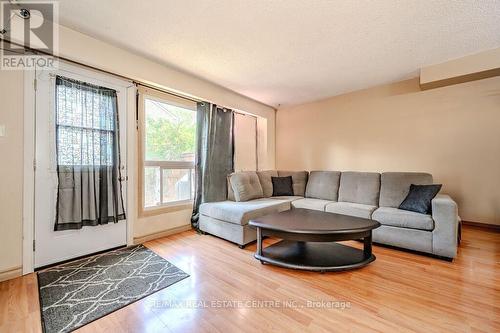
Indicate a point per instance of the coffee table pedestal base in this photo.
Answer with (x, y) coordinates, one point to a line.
(315, 256)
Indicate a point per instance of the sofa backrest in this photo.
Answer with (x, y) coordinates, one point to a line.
(299, 180)
(394, 186)
(246, 186)
(359, 187)
(385, 190)
(230, 192)
(266, 181)
(323, 185)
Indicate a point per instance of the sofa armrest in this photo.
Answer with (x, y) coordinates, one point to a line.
(445, 233)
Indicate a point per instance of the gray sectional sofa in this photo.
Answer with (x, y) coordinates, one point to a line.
(363, 194)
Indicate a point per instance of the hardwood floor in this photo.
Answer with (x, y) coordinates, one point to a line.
(399, 292)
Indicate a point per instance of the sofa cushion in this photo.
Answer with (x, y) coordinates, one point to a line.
(394, 186)
(266, 182)
(403, 218)
(246, 186)
(323, 185)
(351, 209)
(299, 179)
(311, 203)
(288, 198)
(282, 186)
(242, 212)
(359, 187)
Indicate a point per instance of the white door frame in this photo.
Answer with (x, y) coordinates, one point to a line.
(29, 163)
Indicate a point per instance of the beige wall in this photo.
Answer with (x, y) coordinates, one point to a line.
(90, 51)
(451, 132)
(11, 169)
(245, 138)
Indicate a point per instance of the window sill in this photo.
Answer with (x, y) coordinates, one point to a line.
(168, 208)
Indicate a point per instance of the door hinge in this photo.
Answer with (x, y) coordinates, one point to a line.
(35, 84)
(33, 245)
(34, 165)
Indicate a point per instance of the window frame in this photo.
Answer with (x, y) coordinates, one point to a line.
(150, 93)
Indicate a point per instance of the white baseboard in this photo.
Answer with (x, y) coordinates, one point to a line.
(11, 273)
(176, 230)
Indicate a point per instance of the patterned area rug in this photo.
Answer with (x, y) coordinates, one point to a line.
(75, 293)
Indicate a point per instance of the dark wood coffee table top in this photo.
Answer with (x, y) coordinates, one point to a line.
(306, 221)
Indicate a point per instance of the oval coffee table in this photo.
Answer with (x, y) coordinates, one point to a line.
(308, 240)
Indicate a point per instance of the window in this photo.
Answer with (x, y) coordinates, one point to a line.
(168, 126)
(85, 123)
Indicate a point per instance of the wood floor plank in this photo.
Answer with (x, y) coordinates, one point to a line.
(228, 290)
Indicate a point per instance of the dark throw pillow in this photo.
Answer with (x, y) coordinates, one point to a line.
(282, 186)
(419, 198)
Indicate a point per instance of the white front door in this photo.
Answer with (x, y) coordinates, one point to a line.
(55, 246)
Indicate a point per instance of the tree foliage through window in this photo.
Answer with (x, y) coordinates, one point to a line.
(170, 132)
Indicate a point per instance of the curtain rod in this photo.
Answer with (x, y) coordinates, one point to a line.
(134, 81)
(138, 83)
(189, 98)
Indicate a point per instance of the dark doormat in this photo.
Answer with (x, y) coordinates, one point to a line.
(76, 293)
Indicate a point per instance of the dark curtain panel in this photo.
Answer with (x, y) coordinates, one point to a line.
(214, 155)
(88, 155)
